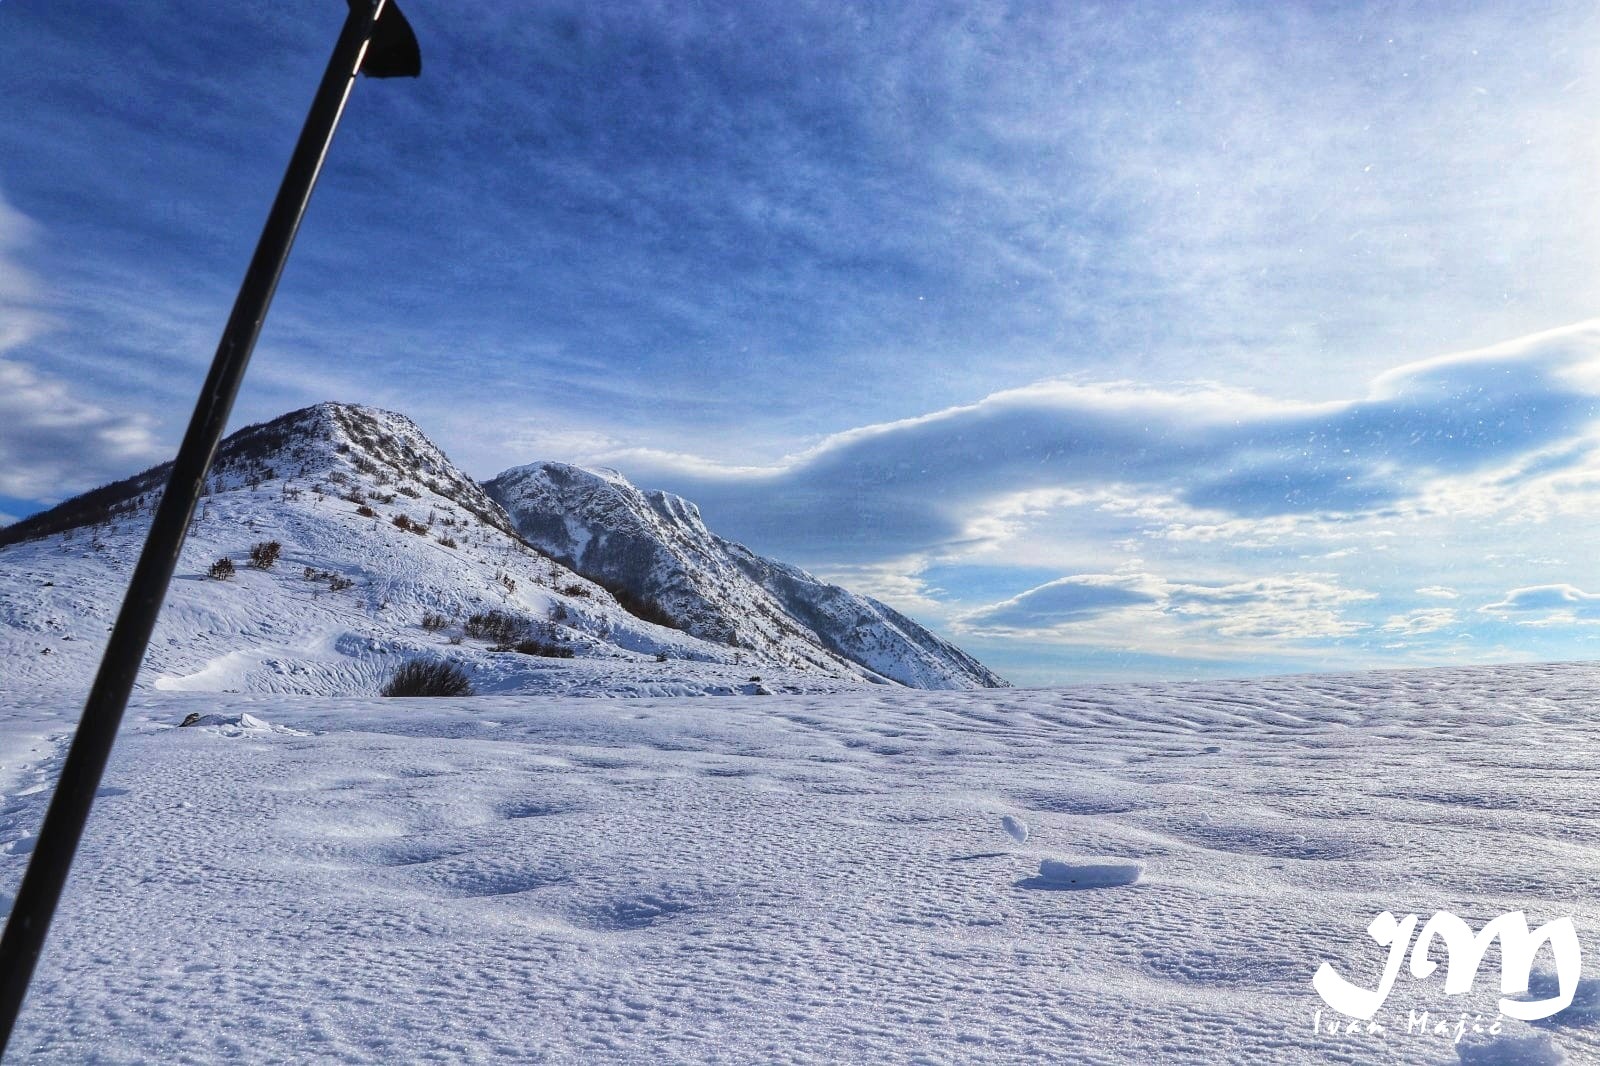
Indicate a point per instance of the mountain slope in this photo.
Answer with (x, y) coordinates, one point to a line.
(387, 551)
(654, 548)
(336, 443)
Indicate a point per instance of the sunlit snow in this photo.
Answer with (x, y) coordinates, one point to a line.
(808, 878)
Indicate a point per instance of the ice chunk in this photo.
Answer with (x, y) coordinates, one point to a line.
(1015, 827)
(1066, 874)
(234, 725)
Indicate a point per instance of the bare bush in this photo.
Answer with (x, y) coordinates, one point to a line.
(498, 626)
(222, 569)
(428, 677)
(336, 582)
(530, 646)
(265, 554)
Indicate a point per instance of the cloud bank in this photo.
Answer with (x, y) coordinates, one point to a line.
(1522, 410)
(1132, 608)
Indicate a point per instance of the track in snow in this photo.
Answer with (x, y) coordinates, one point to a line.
(809, 878)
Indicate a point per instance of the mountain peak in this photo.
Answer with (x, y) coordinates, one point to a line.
(328, 443)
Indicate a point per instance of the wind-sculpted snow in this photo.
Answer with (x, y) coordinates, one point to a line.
(810, 878)
(655, 548)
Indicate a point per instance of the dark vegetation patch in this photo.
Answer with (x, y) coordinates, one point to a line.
(427, 677)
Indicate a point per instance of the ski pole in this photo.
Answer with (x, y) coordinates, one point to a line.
(376, 40)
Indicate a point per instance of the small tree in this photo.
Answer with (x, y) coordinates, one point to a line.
(222, 569)
(265, 554)
(428, 677)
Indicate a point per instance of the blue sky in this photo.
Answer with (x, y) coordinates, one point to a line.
(1112, 340)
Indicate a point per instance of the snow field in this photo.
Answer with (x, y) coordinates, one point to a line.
(808, 878)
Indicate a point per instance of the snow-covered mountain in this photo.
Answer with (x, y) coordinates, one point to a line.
(653, 549)
(386, 551)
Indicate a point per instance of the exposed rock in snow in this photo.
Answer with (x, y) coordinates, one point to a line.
(235, 725)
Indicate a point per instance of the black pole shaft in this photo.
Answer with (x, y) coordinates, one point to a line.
(47, 871)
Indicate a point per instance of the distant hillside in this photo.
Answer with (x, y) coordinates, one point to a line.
(386, 551)
(653, 549)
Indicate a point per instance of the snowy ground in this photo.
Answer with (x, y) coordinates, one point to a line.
(807, 878)
(277, 632)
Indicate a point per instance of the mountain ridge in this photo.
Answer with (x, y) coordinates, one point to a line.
(390, 533)
(657, 545)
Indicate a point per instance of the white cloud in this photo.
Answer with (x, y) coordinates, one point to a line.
(52, 443)
(1416, 623)
(1069, 601)
(1547, 605)
(20, 317)
(1141, 611)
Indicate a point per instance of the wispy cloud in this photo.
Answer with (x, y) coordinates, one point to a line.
(1418, 622)
(51, 441)
(20, 316)
(53, 444)
(1142, 612)
(627, 221)
(1548, 605)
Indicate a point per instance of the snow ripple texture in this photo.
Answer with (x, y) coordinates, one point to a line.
(804, 878)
